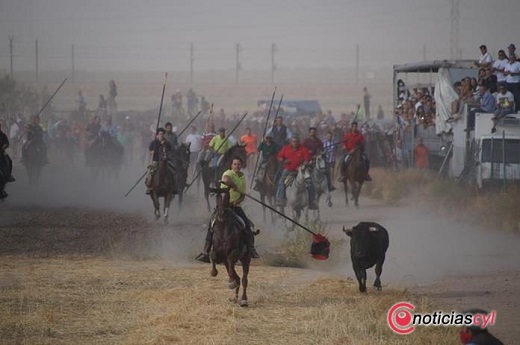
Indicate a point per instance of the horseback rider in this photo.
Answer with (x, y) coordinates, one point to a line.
(218, 145)
(351, 140)
(315, 147)
(170, 135)
(159, 150)
(6, 164)
(206, 137)
(93, 130)
(34, 134)
(109, 127)
(280, 132)
(267, 148)
(293, 155)
(235, 179)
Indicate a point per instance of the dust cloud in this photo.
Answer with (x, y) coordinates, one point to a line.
(424, 246)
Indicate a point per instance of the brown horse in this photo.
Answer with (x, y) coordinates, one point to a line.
(180, 158)
(355, 174)
(229, 245)
(269, 183)
(33, 153)
(212, 174)
(163, 185)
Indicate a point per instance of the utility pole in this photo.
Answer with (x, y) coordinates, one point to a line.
(73, 63)
(191, 62)
(454, 28)
(357, 64)
(36, 54)
(238, 65)
(11, 39)
(274, 49)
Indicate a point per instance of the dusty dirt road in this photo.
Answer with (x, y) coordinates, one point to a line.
(457, 265)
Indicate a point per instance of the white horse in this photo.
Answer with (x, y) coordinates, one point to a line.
(297, 194)
(319, 179)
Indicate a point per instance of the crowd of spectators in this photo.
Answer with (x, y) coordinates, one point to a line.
(496, 90)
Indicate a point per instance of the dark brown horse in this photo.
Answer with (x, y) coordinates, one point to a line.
(212, 174)
(163, 185)
(268, 185)
(104, 157)
(3, 177)
(229, 245)
(355, 174)
(34, 159)
(181, 161)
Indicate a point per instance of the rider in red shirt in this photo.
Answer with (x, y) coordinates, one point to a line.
(292, 156)
(351, 140)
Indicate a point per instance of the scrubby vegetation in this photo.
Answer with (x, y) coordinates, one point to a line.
(494, 208)
(295, 249)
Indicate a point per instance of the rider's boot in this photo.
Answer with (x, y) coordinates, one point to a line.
(250, 242)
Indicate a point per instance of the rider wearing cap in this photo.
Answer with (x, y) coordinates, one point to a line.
(315, 147)
(236, 181)
(351, 140)
(219, 145)
(34, 134)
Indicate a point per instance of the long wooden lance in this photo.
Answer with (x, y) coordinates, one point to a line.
(50, 99)
(321, 245)
(218, 148)
(263, 134)
(156, 129)
(189, 123)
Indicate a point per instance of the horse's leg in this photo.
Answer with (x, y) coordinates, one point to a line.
(156, 205)
(167, 200)
(273, 214)
(317, 212)
(262, 199)
(234, 279)
(358, 192)
(214, 270)
(245, 271)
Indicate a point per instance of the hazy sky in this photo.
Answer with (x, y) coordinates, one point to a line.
(155, 34)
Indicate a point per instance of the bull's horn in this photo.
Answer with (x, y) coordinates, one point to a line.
(344, 228)
(372, 228)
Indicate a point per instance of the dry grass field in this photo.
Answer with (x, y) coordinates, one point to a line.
(79, 300)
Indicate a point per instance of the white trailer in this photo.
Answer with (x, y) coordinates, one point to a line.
(482, 157)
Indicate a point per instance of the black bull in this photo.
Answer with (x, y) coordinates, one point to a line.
(368, 244)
